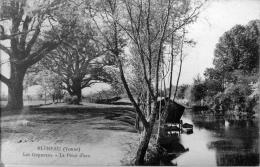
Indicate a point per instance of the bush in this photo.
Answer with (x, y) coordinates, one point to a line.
(74, 100)
(198, 92)
(236, 97)
(209, 100)
(67, 99)
(104, 94)
(181, 91)
(223, 102)
(238, 92)
(250, 104)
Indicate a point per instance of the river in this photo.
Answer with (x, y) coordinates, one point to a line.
(218, 141)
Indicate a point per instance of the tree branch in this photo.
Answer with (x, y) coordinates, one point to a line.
(40, 53)
(4, 79)
(4, 36)
(26, 23)
(33, 39)
(5, 49)
(160, 49)
(138, 110)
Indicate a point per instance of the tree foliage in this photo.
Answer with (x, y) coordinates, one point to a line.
(79, 60)
(238, 49)
(236, 65)
(198, 89)
(50, 83)
(181, 91)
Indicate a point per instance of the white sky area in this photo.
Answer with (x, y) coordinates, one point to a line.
(217, 17)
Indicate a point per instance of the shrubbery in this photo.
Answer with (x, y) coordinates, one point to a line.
(67, 99)
(240, 96)
(71, 99)
(198, 92)
(74, 100)
(235, 97)
(104, 94)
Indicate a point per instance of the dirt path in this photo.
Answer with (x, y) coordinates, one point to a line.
(95, 135)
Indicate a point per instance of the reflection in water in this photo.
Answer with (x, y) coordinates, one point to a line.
(226, 124)
(174, 149)
(219, 141)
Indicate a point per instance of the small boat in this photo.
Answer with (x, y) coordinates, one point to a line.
(187, 128)
(171, 130)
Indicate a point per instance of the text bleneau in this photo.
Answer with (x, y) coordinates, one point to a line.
(49, 148)
(58, 148)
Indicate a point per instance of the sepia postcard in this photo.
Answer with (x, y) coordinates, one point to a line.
(129, 82)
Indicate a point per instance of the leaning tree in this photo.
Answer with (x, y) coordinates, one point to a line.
(147, 26)
(26, 43)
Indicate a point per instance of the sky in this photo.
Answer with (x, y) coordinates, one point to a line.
(216, 17)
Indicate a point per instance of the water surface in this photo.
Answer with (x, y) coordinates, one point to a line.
(219, 141)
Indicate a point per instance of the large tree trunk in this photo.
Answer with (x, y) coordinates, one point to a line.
(76, 90)
(78, 93)
(163, 114)
(146, 135)
(15, 87)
